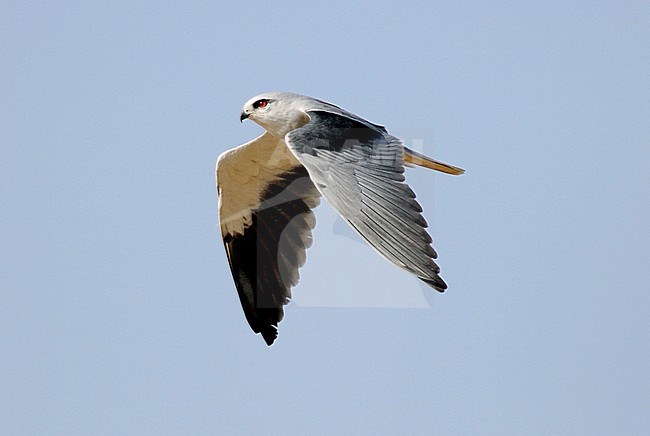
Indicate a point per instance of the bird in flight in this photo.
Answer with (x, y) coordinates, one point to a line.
(268, 187)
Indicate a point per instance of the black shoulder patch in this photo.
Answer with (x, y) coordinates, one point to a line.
(333, 132)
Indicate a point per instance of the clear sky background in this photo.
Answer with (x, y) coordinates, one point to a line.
(118, 314)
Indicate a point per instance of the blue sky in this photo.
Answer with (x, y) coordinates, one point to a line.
(117, 310)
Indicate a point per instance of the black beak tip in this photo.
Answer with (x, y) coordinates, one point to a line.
(242, 117)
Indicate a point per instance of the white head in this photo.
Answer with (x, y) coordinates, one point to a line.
(278, 112)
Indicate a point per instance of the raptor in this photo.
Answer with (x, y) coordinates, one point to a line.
(269, 186)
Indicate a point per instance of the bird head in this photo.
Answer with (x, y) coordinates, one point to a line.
(277, 112)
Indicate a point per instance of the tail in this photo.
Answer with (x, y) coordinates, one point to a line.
(414, 158)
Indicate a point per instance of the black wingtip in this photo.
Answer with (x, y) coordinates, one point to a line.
(436, 283)
(270, 334)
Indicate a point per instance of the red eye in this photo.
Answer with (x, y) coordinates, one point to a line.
(260, 103)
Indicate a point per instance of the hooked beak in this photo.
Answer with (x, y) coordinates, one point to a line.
(243, 116)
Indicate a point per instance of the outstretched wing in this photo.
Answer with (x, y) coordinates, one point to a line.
(265, 202)
(359, 170)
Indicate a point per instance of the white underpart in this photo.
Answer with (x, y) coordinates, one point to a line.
(243, 173)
